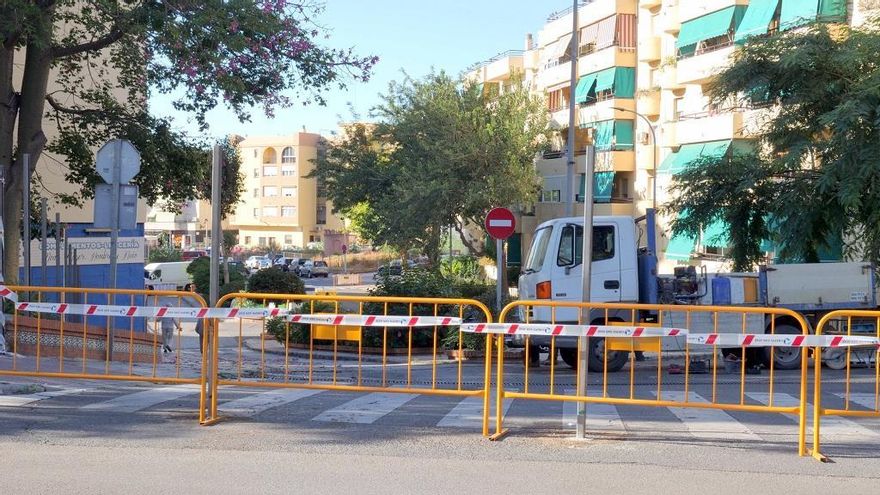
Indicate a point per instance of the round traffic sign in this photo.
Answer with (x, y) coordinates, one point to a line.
(500, 223)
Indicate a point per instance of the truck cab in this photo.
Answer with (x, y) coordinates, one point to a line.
(554, 265)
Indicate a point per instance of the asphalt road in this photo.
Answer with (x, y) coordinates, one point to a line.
(108, 437)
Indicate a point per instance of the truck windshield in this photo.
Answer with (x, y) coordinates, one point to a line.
(538, 250)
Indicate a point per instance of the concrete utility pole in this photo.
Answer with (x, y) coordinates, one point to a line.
(26, 216)
(569, 150)
(586, 278)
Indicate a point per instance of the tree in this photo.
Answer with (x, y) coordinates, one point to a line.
(813, 175)
(441, 154)
(100, 56)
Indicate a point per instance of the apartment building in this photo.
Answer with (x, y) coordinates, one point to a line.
(643, 67)
(280, 207)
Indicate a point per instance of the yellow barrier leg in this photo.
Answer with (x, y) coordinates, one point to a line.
(499, 403)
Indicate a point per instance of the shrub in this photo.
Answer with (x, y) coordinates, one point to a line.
(164, 255)
(274, 281)
(200, 271)
(299, 332)
(462, 268)
(474, 341)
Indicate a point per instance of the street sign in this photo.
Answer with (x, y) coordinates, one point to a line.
(500, 223)
(127, 206)
(129, 161)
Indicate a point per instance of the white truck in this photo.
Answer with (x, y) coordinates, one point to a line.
(623, 272)
(167, 276)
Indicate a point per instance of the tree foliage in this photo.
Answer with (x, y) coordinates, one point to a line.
(814, 175)
(86, 67)
(441, 154)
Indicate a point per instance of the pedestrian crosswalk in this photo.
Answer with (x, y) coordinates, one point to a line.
(326, 407)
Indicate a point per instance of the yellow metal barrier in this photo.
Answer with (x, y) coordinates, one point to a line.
(310, 354)
(694, 319)
(119, 348)
(847, 322)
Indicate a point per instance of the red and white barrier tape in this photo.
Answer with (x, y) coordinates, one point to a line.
(572, 330)
(225, 313)
(780, 340)
(7, 293)
(375, 320)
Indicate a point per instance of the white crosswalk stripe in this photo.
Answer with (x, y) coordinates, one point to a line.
(18, 400)
(469, 413)
(257, 403)
(138, 401)
(864, 400)
(708, 423)
(831, 425)
(601, 417)
(366, 409)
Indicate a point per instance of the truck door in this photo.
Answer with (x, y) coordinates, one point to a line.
(568, 267)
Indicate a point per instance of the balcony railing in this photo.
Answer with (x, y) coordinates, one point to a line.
(703, 48)
(559, 14)
(500, 56)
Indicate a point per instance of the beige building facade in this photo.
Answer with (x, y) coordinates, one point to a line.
(282, 208)
(643, 67)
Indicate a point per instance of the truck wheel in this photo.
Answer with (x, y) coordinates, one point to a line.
(596, 363)
(785, 358)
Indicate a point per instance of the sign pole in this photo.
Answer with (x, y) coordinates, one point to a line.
(499, 258)
(114, 212)
(586, 278)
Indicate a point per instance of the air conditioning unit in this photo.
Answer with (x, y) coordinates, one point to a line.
(644, 137)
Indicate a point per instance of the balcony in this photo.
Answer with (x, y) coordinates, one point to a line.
(553, 75)
(647, 4)
(669, 18)
(648, 102)
(559, 118)
(617, 207)
(667, 135)
(691, 9)
(703, 66)
(698, 128)
(498, 68)
(612, 56)
(605, 110)
(649, 49)
(669, 78)
(614, 161)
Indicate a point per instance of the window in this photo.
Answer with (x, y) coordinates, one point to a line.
(256, 212)
(270, 211)
(538, 250)
(287, 156)
(288, 192)
(255, 153)
(269, 156)
(270, 171)
(551, 196)
(270, 191)
(263, 241)
(247, 240)
(288, 170)
(288, 240)
(256, 192)
(321, 214)
(321, 189)
(288, 211)
(256, 172)
(571, 245)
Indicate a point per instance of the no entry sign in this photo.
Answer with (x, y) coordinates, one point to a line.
(500, 223)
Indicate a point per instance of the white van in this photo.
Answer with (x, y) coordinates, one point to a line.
(167, 276)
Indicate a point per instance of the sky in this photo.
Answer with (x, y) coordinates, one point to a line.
(406, 35)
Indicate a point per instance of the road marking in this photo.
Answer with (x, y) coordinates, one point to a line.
(17, 400)
(831, 425)
(708, 423)
(257, 403)
(130, 403)
(603, 417)
(469, 412)
(864, 400)
(365, 410)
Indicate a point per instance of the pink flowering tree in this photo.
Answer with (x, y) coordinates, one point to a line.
(86, 67)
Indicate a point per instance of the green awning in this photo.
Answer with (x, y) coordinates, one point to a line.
(625, 82)
(603, 185)
(623, 134)
(680, 247)
(832, 10)
(603, 135)
(612, 135)
(756, 20)
(605, 79)
(715, 149)
(585, 88)
(796, 13)
(708, 26)
(676, 162)
(715, 235)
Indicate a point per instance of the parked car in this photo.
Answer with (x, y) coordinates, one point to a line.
(283, 263)
(394, 268)
(297, 265)
(317, 268)
(253, 262)
(193, 254)
(263, 263)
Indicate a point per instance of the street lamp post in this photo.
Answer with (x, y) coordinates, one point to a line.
(654, 143)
